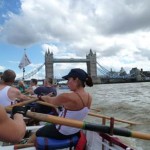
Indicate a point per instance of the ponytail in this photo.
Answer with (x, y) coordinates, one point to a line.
(89, 81)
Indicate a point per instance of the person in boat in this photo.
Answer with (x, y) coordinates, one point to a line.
(22, 86)
(12, 130)
(76, 105)
(8, 93)
(44, 90)
(33, 86)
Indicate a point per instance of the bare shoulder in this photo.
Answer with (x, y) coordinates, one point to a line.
(14, 93)
(14, 89)
(66, 96)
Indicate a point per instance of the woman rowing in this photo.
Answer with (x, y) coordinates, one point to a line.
(76, 105)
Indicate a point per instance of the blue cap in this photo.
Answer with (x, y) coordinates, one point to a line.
(77, 72)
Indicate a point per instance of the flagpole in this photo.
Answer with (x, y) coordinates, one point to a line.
(23, 73)
(24, 66)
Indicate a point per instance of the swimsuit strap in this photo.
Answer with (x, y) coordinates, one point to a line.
(81, 99)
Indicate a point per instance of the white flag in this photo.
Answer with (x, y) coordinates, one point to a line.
(24, 61)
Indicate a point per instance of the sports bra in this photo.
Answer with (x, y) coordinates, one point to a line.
(73, 114)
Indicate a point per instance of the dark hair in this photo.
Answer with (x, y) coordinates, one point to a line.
(8, 76)
(34, 81)
(88, 81)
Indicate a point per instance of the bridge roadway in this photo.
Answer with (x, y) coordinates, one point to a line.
(70, 60)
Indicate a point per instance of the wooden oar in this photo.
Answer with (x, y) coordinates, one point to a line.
(108, 118)
(87, 126)
(92, 114)
(47, 104)
(9, 108)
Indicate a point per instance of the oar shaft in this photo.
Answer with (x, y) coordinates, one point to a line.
(9, 108)
(47, 104)
(87, 126)
(141, 135)
(56, 120)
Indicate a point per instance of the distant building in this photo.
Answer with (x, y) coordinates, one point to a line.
(140, 75)
(135, 71)
(146, 73)
(122, 72)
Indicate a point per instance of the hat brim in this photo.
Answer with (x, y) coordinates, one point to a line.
(65, 77)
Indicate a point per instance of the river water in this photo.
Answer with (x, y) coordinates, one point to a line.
(128, 101)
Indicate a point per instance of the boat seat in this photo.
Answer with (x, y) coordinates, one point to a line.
(43, 143)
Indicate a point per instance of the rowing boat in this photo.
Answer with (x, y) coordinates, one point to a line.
(99, 137)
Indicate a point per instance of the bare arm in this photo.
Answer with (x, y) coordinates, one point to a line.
(68, 100)
(62, 99)
(11, 130)
(14, 93)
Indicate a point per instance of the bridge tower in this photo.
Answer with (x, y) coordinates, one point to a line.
(90, 61)
(91, 64)
(49, 73)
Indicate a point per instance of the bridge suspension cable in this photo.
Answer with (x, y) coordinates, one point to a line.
(27, 76)
(103, 70)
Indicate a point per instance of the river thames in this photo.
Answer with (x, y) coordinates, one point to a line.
(127, 101)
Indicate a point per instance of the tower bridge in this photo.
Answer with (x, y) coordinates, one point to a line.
(92, 67)
(90, 61)
(69, 60)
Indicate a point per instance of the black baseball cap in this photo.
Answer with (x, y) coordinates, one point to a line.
(76, 72)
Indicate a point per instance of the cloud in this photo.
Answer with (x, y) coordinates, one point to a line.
(117, 31)
(2, 68)
(122, 17)
(66, 21)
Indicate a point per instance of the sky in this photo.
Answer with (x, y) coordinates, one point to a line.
(117, 31)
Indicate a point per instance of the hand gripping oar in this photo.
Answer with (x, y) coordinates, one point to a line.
(115, 119)
(87, 126)
(9, 108)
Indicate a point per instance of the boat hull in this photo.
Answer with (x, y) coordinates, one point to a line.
(95, 141)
